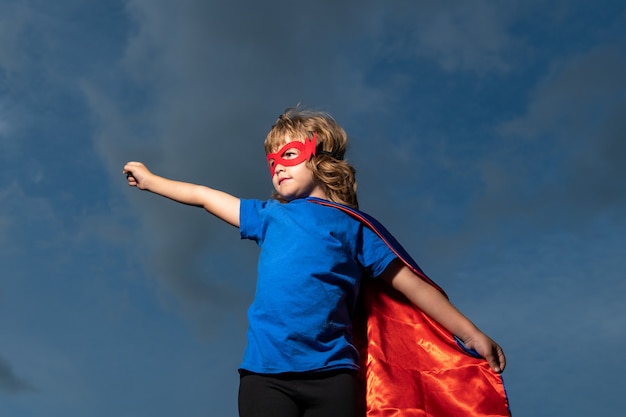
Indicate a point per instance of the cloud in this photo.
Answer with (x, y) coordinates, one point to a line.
(454, 35)
(466, 37)
(10, 383)
(4, 125)
(198, 85)
(12, 24)
(194, 93)
(488, 137)
(565, 154)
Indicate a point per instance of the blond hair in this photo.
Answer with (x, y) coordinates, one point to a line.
(329, 168)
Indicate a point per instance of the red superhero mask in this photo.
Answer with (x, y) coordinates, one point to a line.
(301, 152)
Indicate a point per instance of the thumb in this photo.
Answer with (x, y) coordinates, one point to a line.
(496, 359)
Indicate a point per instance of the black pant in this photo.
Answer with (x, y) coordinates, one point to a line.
(311, 394)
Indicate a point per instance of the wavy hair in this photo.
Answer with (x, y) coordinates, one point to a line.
(330, 169)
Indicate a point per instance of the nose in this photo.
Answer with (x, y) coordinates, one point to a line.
(278, 168)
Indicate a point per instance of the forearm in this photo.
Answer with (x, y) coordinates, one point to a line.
(221, 204)
(182, 192)
(430, 300)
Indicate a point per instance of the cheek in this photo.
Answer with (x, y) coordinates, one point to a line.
(305, 172)
(311, 173)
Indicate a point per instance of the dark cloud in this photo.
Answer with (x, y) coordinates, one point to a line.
(487, 137)
(10, 383)
(458, 36)
(565, 155)
(209, 92)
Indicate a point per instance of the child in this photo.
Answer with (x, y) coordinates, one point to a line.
(301, 358)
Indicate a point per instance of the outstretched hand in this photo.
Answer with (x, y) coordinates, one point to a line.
(489, 350)
(136, 174)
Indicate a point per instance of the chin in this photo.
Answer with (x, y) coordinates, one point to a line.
(290, 197)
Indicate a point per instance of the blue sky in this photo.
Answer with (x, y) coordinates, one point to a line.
(488, 136)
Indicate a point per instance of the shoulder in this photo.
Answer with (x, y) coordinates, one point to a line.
(252, 214)
(260, 205)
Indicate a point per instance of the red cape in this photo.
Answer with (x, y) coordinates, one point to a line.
(413, 367)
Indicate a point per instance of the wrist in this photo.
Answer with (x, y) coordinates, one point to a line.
(468, 333)
(148, 182)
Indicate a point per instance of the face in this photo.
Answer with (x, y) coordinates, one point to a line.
(291, 176)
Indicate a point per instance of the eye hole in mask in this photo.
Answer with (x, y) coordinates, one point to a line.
(293, 153)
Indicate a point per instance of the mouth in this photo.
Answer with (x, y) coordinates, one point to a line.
(281, 180)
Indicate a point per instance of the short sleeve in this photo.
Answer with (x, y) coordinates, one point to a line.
(251, 219)
(375, 255)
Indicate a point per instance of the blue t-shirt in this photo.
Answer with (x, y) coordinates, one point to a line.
(311, 262)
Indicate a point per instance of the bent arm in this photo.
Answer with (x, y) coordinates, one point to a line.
(432, 302)
(218, 203)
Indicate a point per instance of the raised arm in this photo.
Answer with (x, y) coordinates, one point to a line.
(218, 203)
(432, 302)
